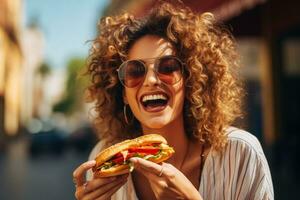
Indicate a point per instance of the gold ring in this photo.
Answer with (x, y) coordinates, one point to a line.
(85, 184)
(161, 171)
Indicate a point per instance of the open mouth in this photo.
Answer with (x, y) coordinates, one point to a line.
(154, 102)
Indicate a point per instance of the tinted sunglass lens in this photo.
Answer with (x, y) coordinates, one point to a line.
(169, 70)
(133, 73)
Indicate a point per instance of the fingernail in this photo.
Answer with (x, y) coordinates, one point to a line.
(134, 160)
(91, 162)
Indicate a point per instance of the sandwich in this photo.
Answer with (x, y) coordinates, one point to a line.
(115, 159)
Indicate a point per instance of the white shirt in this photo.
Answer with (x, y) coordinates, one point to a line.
(240, 172)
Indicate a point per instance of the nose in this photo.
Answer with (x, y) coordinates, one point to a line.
(151, 77)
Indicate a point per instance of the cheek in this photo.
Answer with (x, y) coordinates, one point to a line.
(131, 98)
(179, 101)
(179, 94)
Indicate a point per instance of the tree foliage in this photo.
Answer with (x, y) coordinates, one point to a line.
(76, 83)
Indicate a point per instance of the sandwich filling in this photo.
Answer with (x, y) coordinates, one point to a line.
(149, 152)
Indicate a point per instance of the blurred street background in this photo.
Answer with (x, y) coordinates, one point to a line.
(45, 124)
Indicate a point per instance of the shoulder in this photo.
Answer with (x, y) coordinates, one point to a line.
(242, 164)
(250, 161)
(242, 150)
(244, 141)
(234, 134)
(247, 154)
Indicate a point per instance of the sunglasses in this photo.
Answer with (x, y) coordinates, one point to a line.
(169, 70)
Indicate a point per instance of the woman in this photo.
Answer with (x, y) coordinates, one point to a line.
(172, 73)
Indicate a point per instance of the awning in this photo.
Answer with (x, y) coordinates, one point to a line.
(223, 9)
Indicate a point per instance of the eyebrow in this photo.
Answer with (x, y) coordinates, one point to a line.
(154, 58)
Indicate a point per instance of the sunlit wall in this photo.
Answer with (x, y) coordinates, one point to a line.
(10, 65)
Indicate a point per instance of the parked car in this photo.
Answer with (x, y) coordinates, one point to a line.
(83, 138)
(51, 142)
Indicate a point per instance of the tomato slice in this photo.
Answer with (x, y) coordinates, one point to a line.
(143, 150)
(120, 159)
(118, 155)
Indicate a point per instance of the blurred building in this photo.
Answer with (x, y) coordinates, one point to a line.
(33, 53)
(21, 54)
(10, 65)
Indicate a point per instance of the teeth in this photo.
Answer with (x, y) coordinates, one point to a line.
(154, 97)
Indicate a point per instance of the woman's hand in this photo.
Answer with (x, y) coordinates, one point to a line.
(166, 181)
(97, 188)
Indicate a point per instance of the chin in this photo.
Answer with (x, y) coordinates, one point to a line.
(157, 122)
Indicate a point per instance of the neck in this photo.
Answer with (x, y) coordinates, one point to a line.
(175, 135)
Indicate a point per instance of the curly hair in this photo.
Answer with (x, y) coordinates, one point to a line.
(213, 94)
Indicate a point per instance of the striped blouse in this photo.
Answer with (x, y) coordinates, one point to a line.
(240, 172)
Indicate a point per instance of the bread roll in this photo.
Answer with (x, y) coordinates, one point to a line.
(142, 141)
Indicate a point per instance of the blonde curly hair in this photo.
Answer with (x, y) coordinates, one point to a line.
(213, 95)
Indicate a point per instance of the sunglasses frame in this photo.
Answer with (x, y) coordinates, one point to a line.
(157, 59)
